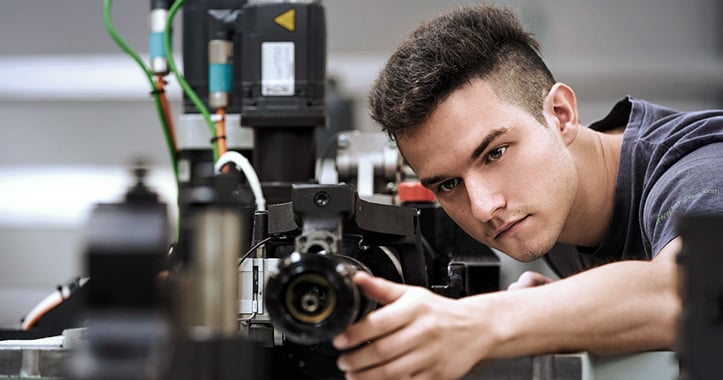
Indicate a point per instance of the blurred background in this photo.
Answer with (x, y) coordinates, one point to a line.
(75, 112)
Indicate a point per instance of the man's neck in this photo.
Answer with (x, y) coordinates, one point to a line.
(598, 156)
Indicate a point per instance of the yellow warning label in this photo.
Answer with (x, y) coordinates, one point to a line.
(287, 20)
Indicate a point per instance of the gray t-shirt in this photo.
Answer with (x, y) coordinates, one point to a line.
(671, 163)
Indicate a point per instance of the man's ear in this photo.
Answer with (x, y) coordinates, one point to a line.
(560, 110)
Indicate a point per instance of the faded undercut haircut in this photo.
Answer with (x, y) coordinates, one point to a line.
(448, 52)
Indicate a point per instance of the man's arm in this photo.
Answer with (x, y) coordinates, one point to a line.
(620, 307)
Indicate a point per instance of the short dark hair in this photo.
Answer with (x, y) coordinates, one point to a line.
(447, 52)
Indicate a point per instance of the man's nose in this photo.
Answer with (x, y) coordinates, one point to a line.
(484, 200)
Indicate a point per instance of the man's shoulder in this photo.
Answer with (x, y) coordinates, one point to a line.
(648, 120)
(657, 137)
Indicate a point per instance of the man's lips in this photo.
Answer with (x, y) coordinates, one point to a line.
(508, 227)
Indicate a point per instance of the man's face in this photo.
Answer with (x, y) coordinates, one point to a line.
(507, 180)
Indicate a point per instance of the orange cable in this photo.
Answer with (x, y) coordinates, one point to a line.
(28, 324)
(221, 131)
(160, 83)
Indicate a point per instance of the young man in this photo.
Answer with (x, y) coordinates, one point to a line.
(481, 120)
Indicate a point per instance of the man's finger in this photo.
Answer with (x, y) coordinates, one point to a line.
(379, 322)
(379, 289)
(382, 350)
(529, 279)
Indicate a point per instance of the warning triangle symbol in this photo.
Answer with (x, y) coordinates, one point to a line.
(287, 20)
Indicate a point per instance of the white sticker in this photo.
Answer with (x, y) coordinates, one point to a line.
(277, 68)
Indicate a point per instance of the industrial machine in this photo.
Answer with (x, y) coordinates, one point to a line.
(257, 279)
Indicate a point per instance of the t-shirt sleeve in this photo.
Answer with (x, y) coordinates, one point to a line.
(692, 186)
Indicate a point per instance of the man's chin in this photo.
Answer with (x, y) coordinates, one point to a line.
(528, 258)
(527, 255)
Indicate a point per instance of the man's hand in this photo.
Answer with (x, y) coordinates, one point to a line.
(418, 334)
(529, 279)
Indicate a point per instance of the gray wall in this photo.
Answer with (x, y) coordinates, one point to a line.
(60, 111)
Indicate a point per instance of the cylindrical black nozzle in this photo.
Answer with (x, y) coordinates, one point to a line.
(312, 298)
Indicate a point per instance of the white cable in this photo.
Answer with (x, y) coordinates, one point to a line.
(242, 163)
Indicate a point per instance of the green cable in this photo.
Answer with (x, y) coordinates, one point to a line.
(118, 40)
(127, 49)
(181, 80)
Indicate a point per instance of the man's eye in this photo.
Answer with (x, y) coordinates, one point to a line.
(448, 185)
(496, 153)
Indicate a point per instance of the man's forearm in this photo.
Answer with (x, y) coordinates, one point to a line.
(620, 307)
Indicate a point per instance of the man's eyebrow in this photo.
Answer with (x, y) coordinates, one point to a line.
(427, 182)
(486, 142)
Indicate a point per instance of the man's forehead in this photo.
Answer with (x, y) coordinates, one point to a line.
(401, 143)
